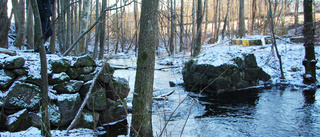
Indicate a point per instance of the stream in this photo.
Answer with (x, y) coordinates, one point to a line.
(267, 112)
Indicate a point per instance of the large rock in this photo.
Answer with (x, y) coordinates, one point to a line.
(74, 72)
(115, 111)
(226, 77)
(69, 105)
(14, 62)
(88, 119)
(118, 88)
(84, 61)
(97, 100)
(58, 78)
(3, 119)
(60, 65)
(5, 82)
(15, 120)
(23, 95)
(68, 87)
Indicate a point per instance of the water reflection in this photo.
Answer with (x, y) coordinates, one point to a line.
(115, 129)
(272, 112)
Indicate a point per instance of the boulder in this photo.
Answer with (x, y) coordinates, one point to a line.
(14, 62)
(58, 78)
(3, 119)
(115, 111)
(86, 77)
(35, 119)
(97, 101)
(74, 72)
(226, 77)
(20, 72)
(88, 119)
(87, 70)
(69, 105)
(16, 120)
(118, 88)
(68, 87)
(5, 82)
(23, 95)
(60, 65)
(84, 61)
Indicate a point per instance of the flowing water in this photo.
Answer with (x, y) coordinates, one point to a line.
(268, 112)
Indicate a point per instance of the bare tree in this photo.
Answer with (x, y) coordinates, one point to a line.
(52, 46)
(20, 22)
(30, 26)
(102, 30)
(4, 22)
(309, 61)
(86, 4)
(198, 43)
(45, 125)
(242, 26)
(142, 100)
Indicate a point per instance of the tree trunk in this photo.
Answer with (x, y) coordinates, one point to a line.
(254, 8)
(225, 20)
(197, 48)
(296, 16)
(274, 40)
(181, 26)
(45, 125)
(86, 4)
(309, 61)
(136, 21)
(4, 23)
(19, 17)
(97, 32)
(172, 30)
(142, 101)
(102, 30)
(52, 46)
(30, 27)
(242, 26)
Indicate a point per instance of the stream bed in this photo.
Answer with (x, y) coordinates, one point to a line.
(255, 112)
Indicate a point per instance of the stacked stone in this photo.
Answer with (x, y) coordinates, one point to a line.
(69, 82)
(226, 77)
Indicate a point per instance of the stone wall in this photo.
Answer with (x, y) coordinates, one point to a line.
(226, 77)
(69, 82)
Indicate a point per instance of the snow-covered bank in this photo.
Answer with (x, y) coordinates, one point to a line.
(291, 55)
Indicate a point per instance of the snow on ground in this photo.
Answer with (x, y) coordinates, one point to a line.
(215, 54)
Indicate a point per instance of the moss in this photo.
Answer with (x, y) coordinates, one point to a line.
(144, 55)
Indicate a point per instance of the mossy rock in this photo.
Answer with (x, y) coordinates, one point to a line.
(15, 120)
(116, 111)
(14, 62)
(97, 100)
(72, 86)
(23, 95)
(54, 115)
(88, 119)
(84, 61)
(118, 88)
(60, 65)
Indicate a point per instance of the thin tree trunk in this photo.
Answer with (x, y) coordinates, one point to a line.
(97, 32)
(20, 20)
(181, 26)
(309, 61)
(172, 30)
(136, 21)
(30, 26)
(242, 26)
(52, 46)
(45, 125)
(254, 9)
(197, 48)
(142, 100)
(4, 22)
(102, 30)
(296, 16)
(86, 4)
(274, 39)
(225, 20)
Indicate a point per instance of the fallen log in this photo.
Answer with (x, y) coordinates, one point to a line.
(9, 52)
